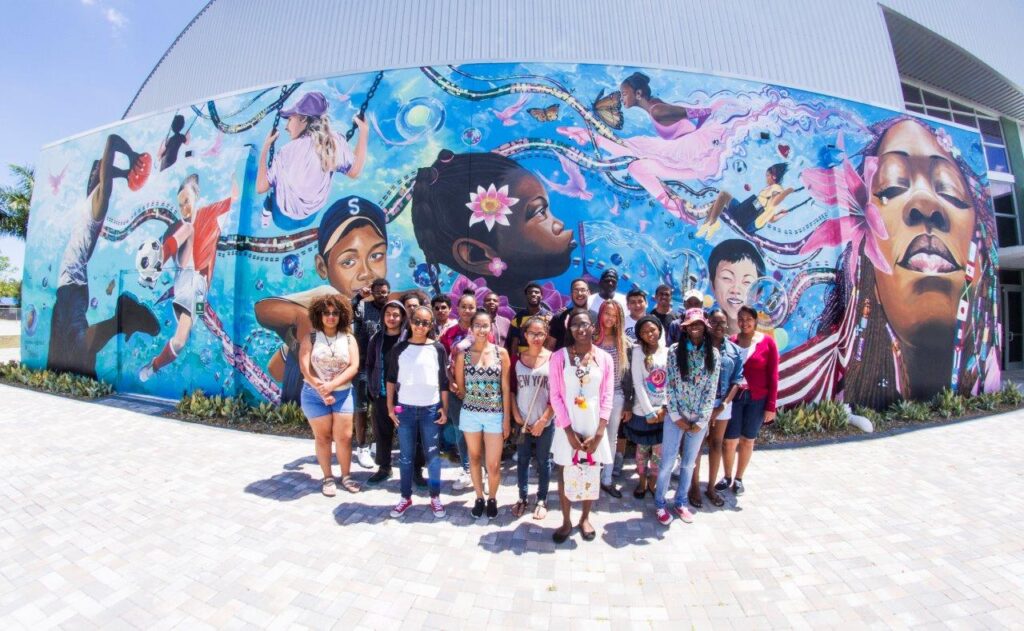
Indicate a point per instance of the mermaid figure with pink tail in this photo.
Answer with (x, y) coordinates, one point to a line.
(693, 143)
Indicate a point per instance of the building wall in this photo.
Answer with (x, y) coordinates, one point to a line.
(491, 175)
(839, 48)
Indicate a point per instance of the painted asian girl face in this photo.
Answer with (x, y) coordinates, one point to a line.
(355, 260)
(928, 212)
(297, 123)
(534, 239)
(732, 283)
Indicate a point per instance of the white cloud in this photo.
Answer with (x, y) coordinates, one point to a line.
(116, 19)
(88, 3)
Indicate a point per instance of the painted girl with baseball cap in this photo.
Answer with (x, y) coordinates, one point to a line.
(351, 252)
(301, 171)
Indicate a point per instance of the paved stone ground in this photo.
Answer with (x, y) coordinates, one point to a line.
(114, 519)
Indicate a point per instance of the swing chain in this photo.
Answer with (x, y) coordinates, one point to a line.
(366, 102)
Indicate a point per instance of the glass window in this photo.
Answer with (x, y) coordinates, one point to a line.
(997, 160)
(1009, 277)
(911, 94)
(990, 131)
(965, 119)
(960, 107)
(1003, 203)
(915, 108)
(1006, 229)
(934, 100)
(943, 114)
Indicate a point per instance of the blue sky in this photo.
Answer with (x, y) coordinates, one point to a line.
(71, 65)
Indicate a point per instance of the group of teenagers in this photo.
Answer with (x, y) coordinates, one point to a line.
(575, 386)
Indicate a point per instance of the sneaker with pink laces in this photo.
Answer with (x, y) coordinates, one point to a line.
(437, 507)
(401, 507)
(684, 514)
(664, 517)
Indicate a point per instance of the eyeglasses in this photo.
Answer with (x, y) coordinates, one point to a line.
(332, 314)
(536, 334)
(481, 327)
(418, 322)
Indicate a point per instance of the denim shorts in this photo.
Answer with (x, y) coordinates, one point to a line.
(747, 417)
(313, 405)
(487, 422)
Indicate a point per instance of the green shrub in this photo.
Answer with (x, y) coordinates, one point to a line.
(877, 418)
(1011, 395)
(906, 410)
(949, 404)
(55, 382)
(986, 402)
(823, 416)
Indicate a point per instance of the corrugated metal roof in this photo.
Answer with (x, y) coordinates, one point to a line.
(232, 45)
(927, 56)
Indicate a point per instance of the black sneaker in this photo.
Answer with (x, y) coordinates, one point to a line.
(492, 508)
(381, 476)
(478, 508)
(418, 479)
(737, 487)
(723, 484)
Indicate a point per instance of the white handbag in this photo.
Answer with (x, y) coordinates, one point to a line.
(582, 479)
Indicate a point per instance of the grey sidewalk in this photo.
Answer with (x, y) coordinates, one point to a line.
(117, 520)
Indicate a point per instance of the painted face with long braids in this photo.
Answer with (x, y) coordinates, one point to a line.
(927, 208)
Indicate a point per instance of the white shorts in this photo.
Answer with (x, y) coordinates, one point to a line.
(189, 289)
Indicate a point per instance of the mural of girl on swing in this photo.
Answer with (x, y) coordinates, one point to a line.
(916, 278)
(754, 212)
(484, 215)
(301, 172)
(352, 243)
(192, 243)
(690, 141)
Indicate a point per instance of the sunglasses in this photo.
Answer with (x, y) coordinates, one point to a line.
(418, 322)
(581, 326)
(332, 314)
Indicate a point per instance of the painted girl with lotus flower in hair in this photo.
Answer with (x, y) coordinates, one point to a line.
(913, 308)
(483, 215)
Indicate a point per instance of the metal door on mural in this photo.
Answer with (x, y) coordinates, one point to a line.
(1013, 323)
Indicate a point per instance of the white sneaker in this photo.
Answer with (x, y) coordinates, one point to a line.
(463, 482)
(437, 507)
(363, 458)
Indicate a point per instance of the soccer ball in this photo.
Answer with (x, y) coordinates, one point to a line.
(149, 262)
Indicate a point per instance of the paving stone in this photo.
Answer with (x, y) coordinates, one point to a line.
(166, 524)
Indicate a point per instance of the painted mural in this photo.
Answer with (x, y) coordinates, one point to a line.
(180, 250)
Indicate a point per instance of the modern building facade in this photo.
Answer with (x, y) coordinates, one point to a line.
(656, 132)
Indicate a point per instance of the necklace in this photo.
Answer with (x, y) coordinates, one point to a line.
(582, 366)
(330, 342)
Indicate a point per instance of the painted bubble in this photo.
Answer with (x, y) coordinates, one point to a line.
(769, 297)
(31, 320)
(298, 273)
(616, 259)
(395, 246)
(781, 338)
(420, 116)
(206, 356)
(471, 136)
(259, 284)
(46, 282)
(424, 276)
(739, 166)
(290, 264)
(94, 303)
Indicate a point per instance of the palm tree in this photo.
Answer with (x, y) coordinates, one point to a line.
(15, 202)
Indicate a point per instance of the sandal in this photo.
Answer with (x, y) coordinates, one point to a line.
(714, 498)
(694, 500)
(349, 484)
(540, 511)
(519, 508)
(641, 490)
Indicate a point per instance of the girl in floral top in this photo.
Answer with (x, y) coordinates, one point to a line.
(693, 370)
(649, 370)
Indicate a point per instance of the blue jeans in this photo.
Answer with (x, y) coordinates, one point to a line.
(541, 446)
(413, 420)
(672, 437)
(454, 410)
(747, 417)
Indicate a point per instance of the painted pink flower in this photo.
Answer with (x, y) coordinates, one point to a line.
(491, 206)
(497, 266)
(550, 296)
(862, 222)
(480, 291)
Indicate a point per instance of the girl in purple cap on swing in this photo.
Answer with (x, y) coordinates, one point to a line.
(301, 171)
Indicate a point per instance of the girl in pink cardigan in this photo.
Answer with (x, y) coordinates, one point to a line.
(581, 382)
